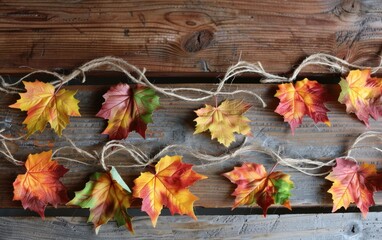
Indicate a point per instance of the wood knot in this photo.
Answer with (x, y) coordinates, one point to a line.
(354, 229)
(348, 11)
(198, 40)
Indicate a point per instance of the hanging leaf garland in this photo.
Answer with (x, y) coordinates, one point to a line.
(256, 186)
(362, 95)
(224, 120)
(128, 108)
(45, 105)
(168, 186)
(306, 97)
(353, 183)
(40, 185)
(107, 196)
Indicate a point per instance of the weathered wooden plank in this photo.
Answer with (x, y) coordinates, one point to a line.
(173, 125)
(299, 226)
(187, 36)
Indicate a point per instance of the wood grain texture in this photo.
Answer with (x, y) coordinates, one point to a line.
(187, 36)
(173, 124)
(306, 226)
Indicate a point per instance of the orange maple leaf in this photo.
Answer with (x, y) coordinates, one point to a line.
(128, 108)
(223, 121)
(362, 95)
(304, 98)
(40, 185)
(107, 196)
(167, 187)
(353, 183)
(44, 104)
(256, 186)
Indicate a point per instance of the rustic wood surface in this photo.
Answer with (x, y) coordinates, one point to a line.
(192, 38)
(187, 36)
(299, 226)
(173, 124)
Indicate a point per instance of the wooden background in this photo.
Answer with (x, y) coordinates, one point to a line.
(187, 36)
(192, 41)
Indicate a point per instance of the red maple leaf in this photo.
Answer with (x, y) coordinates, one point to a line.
(40, 185)
(353, 183)
(304, 98)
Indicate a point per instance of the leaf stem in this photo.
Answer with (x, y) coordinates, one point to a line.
(273, 168)
(59, 87)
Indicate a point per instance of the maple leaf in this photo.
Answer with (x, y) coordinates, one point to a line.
(128, 108)
(167, 187)
(255, 185)
(44, 104)
(353, 183)
(40, 185)
(107, 196)
(362, 95)
(304, 98)
(223, 121)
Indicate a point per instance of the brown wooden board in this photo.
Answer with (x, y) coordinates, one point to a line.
(173, 124)
(187, 36)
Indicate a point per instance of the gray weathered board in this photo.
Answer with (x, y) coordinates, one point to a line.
(173, 124)
(299, 226)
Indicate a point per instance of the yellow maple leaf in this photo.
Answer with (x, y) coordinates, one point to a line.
(45, 105)
(362, 95)
(223, 121)
(169, 187)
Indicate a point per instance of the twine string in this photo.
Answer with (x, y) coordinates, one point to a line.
(120, 65)
(335, 64)
(141, 159)
(306, 166)
(362, 137)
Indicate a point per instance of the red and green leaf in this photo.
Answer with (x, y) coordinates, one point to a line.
(256, 186)
(107, 196)
(128, 108)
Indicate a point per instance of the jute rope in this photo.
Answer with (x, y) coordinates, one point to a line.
(120, 65)
(141, 159)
